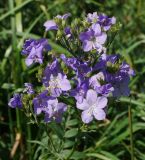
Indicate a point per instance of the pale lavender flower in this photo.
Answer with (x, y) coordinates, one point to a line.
(106, 22)
(95, 80)
(54, 110)
(49, 106)
(34, 50)
(50, 25)
(35, 56)
(55, 80)
(93, 107)
(92, 17)
(58, 84)
(16, 101)
(94, 38)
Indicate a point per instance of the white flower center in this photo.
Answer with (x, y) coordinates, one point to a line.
(54, 83)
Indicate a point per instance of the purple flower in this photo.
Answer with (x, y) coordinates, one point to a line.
(80, 91)
(116, 73)
(92, 17)
(27, 47)
(103, 89)
(93, 38)
(70, 62)
(50, 25)
(55, 80)
(63, 17)
(92, 107)
(58, 84)
(34, 50)
(32, 43)
(29, 88)
(16, 101)
(49, 106)
(67, 32)
(40, 102)
(51, 69)
(125, 69)
(35, 56)
(54, 110)
(81, 68)
(121, 88)
(106, 22)
(96, 79)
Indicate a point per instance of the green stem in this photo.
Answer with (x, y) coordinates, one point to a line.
(11, 125)
(15, 57)
(29, 144)
(50, 138)
(131, 132)
(18, 120)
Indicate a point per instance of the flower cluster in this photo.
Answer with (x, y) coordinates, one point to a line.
(88, 75)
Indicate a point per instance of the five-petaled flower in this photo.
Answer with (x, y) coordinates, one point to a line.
(93, 107)
(94, 38)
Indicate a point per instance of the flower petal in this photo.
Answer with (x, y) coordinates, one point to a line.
(96, 28)
(91, 97)
(87, 45)
(83, 106)
(62, 107)
(50, 25)
(86, 116)
(101, 38)
(28, 61)
(99, 114)
(84, 36)
(102, 102)
(64, 84)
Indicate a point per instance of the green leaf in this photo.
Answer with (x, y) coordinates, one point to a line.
(68, 144)
(109, 155)
(8, 86)
(98, 155)
(78, 155)
(71, 133)
(38, 142)
(72, 122)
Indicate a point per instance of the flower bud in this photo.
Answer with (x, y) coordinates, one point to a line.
(116, 27)
(59, 34)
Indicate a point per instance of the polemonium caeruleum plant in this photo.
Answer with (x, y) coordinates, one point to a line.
(83, 81)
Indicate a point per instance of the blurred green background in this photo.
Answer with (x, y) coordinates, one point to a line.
(21, 19)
